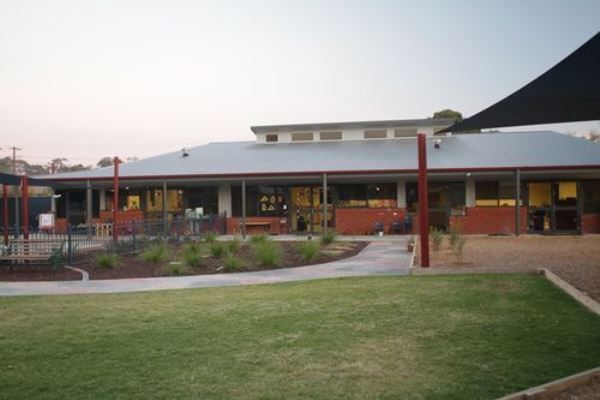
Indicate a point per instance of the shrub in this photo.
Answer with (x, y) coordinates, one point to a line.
(267, 254)
(210, 237)
(192, 258)
(459, 244)
(454, 235)
(217, 249)
(233, 263)
(234, 245)
(328, 238)
(309, 250)
(155, 253)
(107, 260)
(436, 238)
(192, 248)
(259, 239)
(174, 269)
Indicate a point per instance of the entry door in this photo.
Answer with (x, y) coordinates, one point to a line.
(553, 207)
(566, 215)
(307, 209)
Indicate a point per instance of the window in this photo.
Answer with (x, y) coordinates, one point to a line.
(405, 132)
(495, 193)
(540, 194)
(251, 201)
(375, 134)
(351, 195)
(205, 197)
(382, 195)
(272, 138)
(331, 135)
(591, 196)
(302, 137)
(260, 201)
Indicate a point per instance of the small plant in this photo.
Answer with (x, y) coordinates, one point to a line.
(259, 239)
(155, 253)
(217, 249)
(267, 254)
(210, 237)
(234, 245)
(233, 263)
(454, 235)
(107, 260)
(309, 250)
(192, 259)
(174, 269)
(192, 248)
(437, 238)
(457, 249)
(328, 238)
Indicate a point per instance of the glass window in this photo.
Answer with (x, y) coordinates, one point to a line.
(271, 201)
(405, 132)
(302, 137)
(486, 194)
(205, 197)
(591, 196)
(566, 194)
(375, 134)
(251, 201)
(272, 138)
(331, 135)
(412, 196)
(457, 198)
(351, 195)
(382, 195)
(540, 194)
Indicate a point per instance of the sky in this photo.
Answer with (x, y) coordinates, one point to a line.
(88, 79)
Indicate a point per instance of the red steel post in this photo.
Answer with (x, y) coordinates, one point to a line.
(116, 199)
(423, 201)
(25, 207)
(5, 212)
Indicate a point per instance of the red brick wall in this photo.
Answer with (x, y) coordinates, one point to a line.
(122, 216)
(233, 225)
(489, 220)
(590, 223)
(361, 221)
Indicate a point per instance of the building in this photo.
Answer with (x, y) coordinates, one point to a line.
(492, 183)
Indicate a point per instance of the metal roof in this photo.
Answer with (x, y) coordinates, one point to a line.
(485, 151)
(398, 123)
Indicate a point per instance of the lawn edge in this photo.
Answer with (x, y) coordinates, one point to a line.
(581, 297)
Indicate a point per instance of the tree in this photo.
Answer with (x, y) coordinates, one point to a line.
(448, 113)
(105, 162)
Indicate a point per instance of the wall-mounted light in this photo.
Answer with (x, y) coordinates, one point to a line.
(437, 143)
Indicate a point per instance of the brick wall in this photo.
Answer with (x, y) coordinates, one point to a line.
(361, 221)
(122, 216)
(590, 223)
(276, 227)
(489, 220)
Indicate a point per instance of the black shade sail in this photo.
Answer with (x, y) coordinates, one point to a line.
(568, 92)
(15, 180)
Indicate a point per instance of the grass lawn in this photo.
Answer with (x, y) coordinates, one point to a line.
(436, 337)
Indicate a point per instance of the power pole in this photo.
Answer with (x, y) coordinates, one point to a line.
(14, 171)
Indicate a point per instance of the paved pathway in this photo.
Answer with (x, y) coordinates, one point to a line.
(378, 258)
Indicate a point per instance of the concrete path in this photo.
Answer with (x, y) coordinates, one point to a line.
(378, 258)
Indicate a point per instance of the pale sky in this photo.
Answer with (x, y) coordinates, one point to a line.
(87, 79)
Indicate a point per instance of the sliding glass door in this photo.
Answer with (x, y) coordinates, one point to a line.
(553, 207)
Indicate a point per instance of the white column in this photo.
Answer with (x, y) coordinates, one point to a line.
(224, 202)
(53, 201)
(401, 194)
(470, 192)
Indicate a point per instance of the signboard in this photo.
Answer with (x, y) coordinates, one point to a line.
(46, 221)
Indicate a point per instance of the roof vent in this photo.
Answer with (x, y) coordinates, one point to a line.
(185, 152)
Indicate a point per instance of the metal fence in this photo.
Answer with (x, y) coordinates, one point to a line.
(81, 242)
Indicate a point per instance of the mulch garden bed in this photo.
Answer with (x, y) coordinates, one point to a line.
(132, 266)
(37, 273)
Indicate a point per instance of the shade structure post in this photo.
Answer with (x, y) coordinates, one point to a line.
(517, 202)
(25, 206)
(244, 209)
(423, 200)
(324, 201)
(5, 212)
(115, 230)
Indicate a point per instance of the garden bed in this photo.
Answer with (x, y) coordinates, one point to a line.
(37, 273)
(134, 265)
(576, 259)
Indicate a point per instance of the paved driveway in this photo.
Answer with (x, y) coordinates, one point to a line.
(377, 258)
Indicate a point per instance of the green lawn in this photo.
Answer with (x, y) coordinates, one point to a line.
(436, 337)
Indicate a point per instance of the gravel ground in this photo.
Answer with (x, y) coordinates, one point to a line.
(576, 259)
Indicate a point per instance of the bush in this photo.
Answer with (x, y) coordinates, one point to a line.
(309, 250)
(459, 244)
(210, 237)
(233, 263)
(267, 254)
(192, 258)
(259, 239)
(107, 260)
(454, 235)
(217, 249)
(155, 253)
(436, 239)
(235, 245)
(328, 238)
(192, 248)
(174, 269)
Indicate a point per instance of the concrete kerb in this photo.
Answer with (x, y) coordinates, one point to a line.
(571, 290)
(85, 276)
